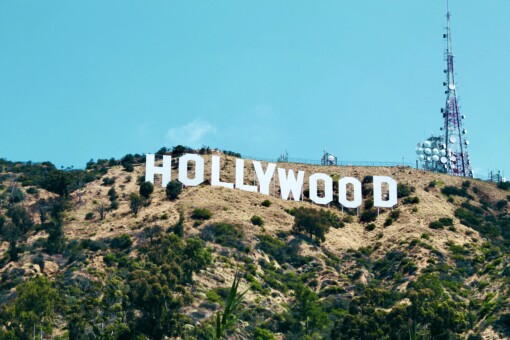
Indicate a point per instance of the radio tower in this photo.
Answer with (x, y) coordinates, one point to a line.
(448, 153)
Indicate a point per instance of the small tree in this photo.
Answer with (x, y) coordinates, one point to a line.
(173, 190)
(56, 237)
(178, 228)
(16, 195)
(315, 222)
(146, 189)
(257, 220)
(35, 306)
(135, 203)
(102, 209)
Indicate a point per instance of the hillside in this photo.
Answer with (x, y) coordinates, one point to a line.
(436, 266)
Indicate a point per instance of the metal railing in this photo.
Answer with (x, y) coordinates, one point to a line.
(339, 163)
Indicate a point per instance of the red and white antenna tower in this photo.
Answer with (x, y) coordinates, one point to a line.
(448, 153)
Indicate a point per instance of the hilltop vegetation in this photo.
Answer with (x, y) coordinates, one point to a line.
(100, 253)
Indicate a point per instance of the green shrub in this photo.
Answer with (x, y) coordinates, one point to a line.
(454, 191)
(213, 296)
(468, 218)
(108, 181)
(128, 162)
(411, 200)
(404, 190)
(146, 189)
(114, 205)
(369, 204)
(112, 194)
(257, 220)
(348, 219)
(89, 216)
(395, 214)
(225, 234)
(315, 223)
(504, 185)
(121, 242)
(466, 184)
(370, 227)
(441, 223)
(263, 334)
(33, 191)
(388, 222)
(501, 204)
(173, 190)
(135, 203)
(16, 195)
(266, 203)
(368, 216)
(201, 214)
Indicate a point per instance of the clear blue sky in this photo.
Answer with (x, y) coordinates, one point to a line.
(99, 79)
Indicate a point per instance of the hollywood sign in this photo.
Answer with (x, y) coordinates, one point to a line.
(290, 183)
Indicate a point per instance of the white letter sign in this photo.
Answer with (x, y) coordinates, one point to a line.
(392, 192)
(240, 177)
(183, 169)
(151, 169)
(342, 192)
(328, 188)
(264, 177)
(291, 184)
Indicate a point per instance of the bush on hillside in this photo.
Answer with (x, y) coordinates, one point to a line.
(173, 190)
(225, 234)
(257, 220)
(315, 223)
(404, 190)
(411, 200)
(266, 203)
(441, 223)
(146, 189)
(201, 214)
(454, 191)
(504, 185)
(368, 216)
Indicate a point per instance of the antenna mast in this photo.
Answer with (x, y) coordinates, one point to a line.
(448, 153)
(457, 162)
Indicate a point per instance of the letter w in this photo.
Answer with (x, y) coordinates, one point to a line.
(291, 184)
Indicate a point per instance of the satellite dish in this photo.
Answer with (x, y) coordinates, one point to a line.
(418, 145)
(435, 151)
(429, 159)
(331, 158)
(419, 151)
(503, 180)
(427, 151)
(442, 152)
(435, 158)
(422, 157)
(427, 144)
(453, 159)
(444, 160)
(466, 142)
(464, 131)
(463, 117)
(453, 139)
(451, 86)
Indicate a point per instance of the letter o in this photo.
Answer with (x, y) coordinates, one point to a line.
(342, 192)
